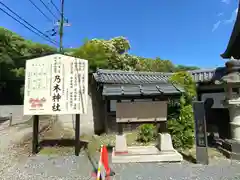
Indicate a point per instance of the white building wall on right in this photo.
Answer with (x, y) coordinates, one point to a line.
(217, 97)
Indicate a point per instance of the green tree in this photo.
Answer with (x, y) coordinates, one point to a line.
(111, 54)
(155, 65)
(94, 52)
(182, 127)
(185, 68)
(15, 50)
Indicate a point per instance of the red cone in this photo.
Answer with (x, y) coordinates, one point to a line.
(105, 160)
(105, 163)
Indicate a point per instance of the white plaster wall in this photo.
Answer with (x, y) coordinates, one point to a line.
(86, 120)
(217, 97)
(17, 113)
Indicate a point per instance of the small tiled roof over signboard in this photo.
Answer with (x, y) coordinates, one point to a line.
(117, 82)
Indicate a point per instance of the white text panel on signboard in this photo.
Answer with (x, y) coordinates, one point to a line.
(56, 84)
(141, 111)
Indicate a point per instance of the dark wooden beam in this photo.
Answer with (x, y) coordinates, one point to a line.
(210, 87)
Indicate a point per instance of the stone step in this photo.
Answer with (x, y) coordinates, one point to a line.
(144, 150)
(229, 154)
(231, 145)
(146, 154)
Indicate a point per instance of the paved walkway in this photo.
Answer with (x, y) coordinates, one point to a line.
(79, 168)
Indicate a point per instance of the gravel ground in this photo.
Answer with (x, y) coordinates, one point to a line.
(43, 167)
(10, 138)
(70, 167)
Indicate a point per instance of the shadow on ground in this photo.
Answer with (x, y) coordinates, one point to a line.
(61, 143)
(189, 158)
(3, 119)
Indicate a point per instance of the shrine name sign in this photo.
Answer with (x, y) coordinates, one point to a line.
(56, 84)
(153, 111)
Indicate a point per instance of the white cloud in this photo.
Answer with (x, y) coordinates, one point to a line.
(225, 1)
(236, 10)
(226, 21)
(216, 25)
(233, 17)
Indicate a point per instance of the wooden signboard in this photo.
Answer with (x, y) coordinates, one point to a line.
(153, 111)
(56, 84)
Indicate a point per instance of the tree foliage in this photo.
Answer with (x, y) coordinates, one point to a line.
(146, 133)
(185, 80)
(15, 50)
(101, 53)
(182, 126)
(113, 54)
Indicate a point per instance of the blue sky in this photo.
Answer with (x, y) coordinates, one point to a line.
(185, 32)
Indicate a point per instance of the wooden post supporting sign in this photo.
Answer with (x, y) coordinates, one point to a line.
(35, 134)
(77, 135)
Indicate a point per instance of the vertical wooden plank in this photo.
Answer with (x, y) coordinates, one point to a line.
(35, 134)
(105, 116)
(119, 125)
(163, 127)
(77, 135)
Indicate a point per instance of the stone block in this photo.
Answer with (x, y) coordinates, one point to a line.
(121, 144)
(165, 142)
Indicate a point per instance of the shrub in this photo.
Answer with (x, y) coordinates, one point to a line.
(146, 133)
(181, 124)
(182, 128)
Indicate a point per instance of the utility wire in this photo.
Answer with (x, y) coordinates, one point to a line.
(40, 10)
(55, 6)
(49, 10)
(44, 37)
(57, 9)
(27, 22)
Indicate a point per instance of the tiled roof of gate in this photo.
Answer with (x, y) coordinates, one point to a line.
(135, 77)
(130, 77)
(145, 89)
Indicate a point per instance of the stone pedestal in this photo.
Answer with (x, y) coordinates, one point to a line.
(165, 142)
(235, 122)
(231, 147)
(121, 144)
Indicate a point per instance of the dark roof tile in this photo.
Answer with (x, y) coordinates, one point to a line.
(146, 89)
(134, 77)
(130, 77)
